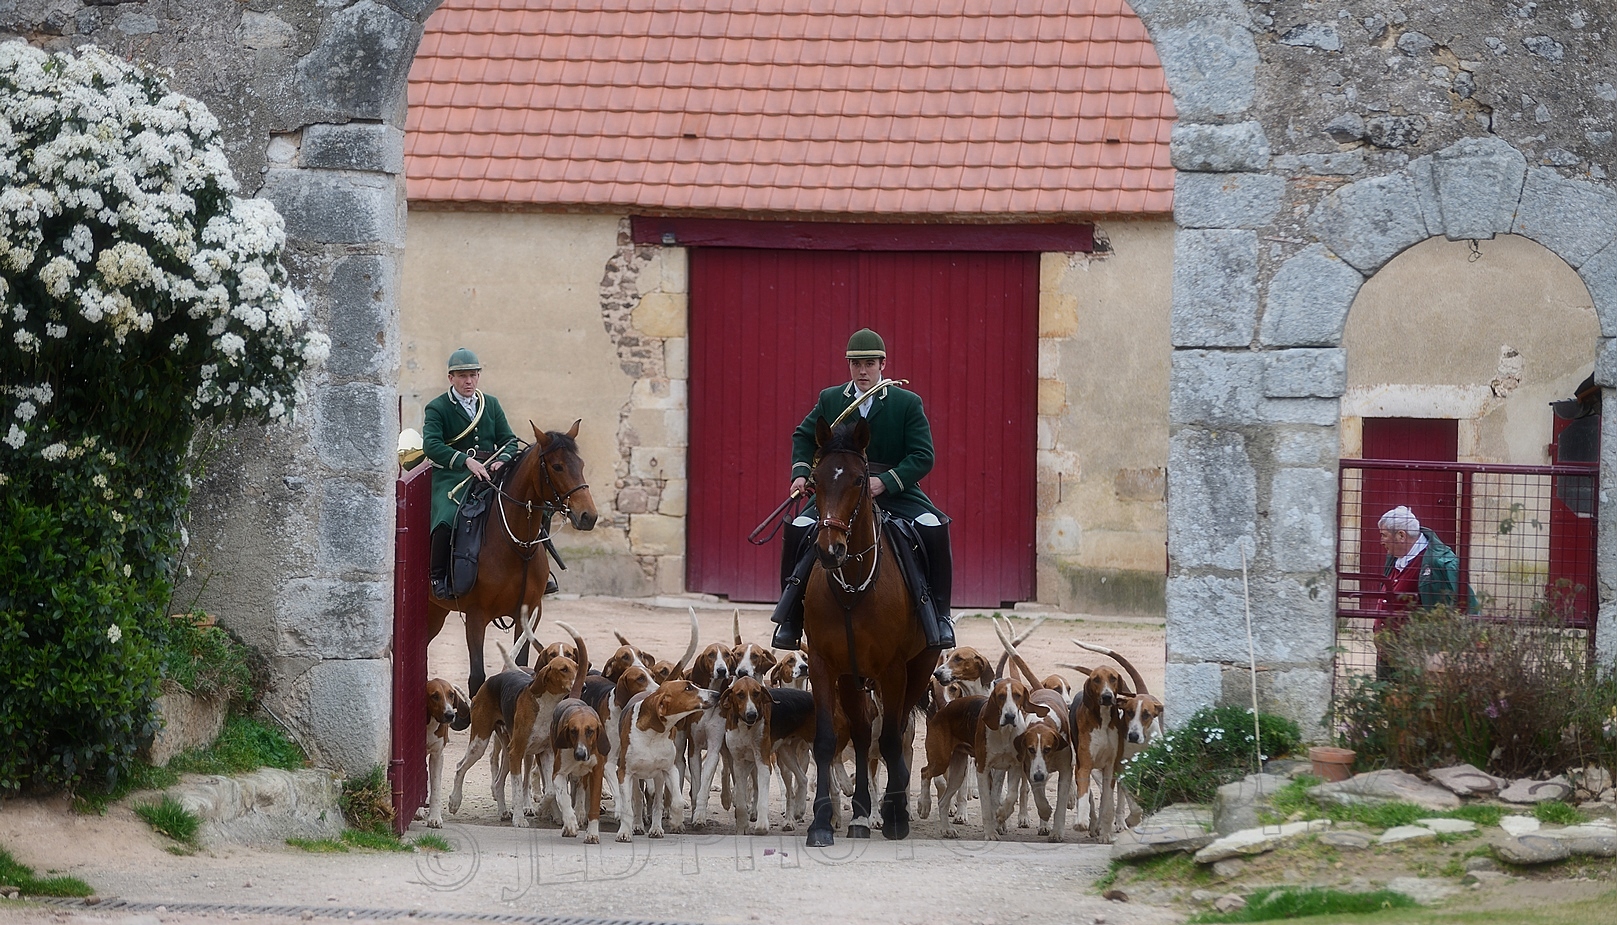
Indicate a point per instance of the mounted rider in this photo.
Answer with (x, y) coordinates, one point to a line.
(900, 455)
(466, 436)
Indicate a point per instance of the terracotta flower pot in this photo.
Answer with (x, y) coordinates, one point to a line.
(1331, 764)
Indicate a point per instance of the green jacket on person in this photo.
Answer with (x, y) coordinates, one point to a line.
(1439, 575)
(900, 450)
(445, 420)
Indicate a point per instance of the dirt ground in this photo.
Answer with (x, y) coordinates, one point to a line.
(708, 875)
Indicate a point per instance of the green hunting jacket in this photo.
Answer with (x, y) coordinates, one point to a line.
(1439, 574)
(492, 439)
(900, 444)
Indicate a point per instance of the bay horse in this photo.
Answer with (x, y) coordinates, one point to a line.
(857, 617)
(546, 479)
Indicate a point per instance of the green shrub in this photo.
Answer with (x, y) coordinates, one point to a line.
(22, 877)
(1516, 699)
(246, 744)
(138, 296)
(1214, 747)
(208, 661)
(170, 818)
(1272, 903)
(367, 801)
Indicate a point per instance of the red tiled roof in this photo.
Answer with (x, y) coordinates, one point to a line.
(891, 107)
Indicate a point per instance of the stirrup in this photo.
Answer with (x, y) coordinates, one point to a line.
(440, 587)
(551, 587)
(946, 632)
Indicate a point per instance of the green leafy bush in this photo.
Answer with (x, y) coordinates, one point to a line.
(206, 660)
(367, 801)
(1214, 747)
(138, 296)
(1516, 699)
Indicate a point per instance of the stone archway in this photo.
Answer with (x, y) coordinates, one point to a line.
(1293, 189)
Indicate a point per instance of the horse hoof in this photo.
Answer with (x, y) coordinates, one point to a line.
(895, 826)
(819, 838)
(858, 831)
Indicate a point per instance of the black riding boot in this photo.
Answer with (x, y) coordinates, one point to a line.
(796, 562)
(438, 565)
(939, 577)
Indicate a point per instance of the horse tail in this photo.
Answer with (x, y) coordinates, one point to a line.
(583, 661)
(1139, 682)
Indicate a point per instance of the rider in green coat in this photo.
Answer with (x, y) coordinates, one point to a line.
(466, 436)
(900, 454)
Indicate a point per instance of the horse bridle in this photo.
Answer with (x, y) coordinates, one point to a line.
(826, 520)
(547, 509)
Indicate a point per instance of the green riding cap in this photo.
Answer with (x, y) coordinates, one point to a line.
(866, 343)
(463, 359)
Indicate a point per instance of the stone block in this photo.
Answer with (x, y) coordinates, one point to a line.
(670, 574)
(1369, 222)
(1305, 373)
(1573, 218)
(1306, 446)
(1058, 314)
(1053, 267)
(355, 426)
(1470, 189)
(334, 619)
(660, 314)
(1291, 622)
(264, 807)
(337, 208)
(259, 31)
(1213, 387)
(1302, 520)
(675, 269)
(1219, 148)
(370, 146)
(1149, 484)
(342, 710)
(356, 529)
(674, 499)
(1308, 300)
(1300, 694)
(1599, 274)
(1606, 635)
(1215, 288)
(1058, 535)
(657, 462)
(1213, 511)
(185, 721)
(1227, 200)
(1052, 396)
(1236, 804)
(656, 535)
(361, 313)
(668, 394)
(1187, 687)
(650, 426)
(361, 63)
(1212, 65)
(133, 23)
(1336, 164)
(677, 357)
(1317, 411)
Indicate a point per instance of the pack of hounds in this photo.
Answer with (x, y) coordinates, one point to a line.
(657, 736)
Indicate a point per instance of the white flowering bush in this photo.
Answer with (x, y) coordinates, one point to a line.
(138, 296)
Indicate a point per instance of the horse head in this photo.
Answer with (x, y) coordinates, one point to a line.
(560, 475)
(841, 487)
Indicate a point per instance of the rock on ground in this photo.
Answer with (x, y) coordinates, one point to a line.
(1466, 780)
(1146, 840)
(1537, 791)
(1385, 787)
(1531, 849)
(1236, 805)
(1257, 841)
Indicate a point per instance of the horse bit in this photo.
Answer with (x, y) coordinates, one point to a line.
(547, 509)
(826, 520)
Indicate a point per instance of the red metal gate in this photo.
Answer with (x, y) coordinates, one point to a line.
(412, 548)
(767, 333)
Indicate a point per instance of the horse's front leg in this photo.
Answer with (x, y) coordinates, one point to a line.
(853, 706)
(895, 801)
(825, 744)
(475, 627)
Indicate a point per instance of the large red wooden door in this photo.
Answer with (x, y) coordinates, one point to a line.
(767, 333)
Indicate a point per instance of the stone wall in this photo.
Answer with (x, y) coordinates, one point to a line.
(1317, 142)
(291, 528)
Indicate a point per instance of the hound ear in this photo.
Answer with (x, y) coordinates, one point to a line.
(861, 434)
(573, 431)
(1040, 709)
(822, 432)
(602, 746)
(463, 712)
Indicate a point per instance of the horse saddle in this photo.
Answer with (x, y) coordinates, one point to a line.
(914, 565)
(466, 539)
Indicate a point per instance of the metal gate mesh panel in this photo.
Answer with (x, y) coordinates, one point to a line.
(1524, 536)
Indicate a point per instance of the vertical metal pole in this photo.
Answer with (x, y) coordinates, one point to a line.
(1462, 593)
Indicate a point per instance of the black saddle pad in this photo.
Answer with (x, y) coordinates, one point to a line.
(466, 541)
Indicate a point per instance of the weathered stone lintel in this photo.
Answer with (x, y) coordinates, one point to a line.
(328, 207)
(368, 146)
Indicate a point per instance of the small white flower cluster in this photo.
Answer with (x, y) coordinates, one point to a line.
(117, 221)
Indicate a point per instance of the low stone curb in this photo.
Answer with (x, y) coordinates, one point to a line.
(267, 806)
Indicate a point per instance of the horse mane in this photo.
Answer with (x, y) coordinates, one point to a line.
(842, 439)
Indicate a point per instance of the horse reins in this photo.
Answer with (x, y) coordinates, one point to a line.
(826, 520)
(546, 509)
